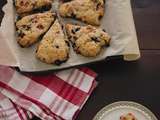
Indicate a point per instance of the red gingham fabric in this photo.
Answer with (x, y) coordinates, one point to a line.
(57, 96)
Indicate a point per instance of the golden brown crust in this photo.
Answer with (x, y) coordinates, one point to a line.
(89, 11)
(53, 49)
(31, 27)
(25, 6)
(87, 40)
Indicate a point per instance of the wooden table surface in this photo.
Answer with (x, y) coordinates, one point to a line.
(131, 81)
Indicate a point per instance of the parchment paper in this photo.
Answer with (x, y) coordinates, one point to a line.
(118, 22)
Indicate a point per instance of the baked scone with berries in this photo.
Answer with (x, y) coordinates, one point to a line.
(54, 47)
(27, 6)
(87, 40)
(89, 11)
(31, 28)
(128, 116)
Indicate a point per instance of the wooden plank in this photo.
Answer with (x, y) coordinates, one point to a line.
(147, 20)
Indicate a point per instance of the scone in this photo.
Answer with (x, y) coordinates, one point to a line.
(26, 6)
(89, 11)
(54, 47)
(87, 40)
(128, 116)
(31, 28)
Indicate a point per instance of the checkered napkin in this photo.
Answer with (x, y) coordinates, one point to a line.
(58, 96)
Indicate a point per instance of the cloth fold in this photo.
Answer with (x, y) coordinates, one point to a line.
(57, 96)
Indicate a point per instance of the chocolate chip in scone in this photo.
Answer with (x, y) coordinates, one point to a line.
(73, 31)
(26, 27)
(24, 3)
(98, 6)
(73, 45)
(57, 46)
(69, 37)
(62, 27)
(66, 58)
(103, 30)
(95, 39)
(107, 45)
(58, 62)
(34, 20)
(16, 27)
(75, 38)
(100, 17)
(57, 32)
(20, 33)
(77, 29)
(73, 15)
(40, 26)
(67, 43)
(44, 59)
(20, 44)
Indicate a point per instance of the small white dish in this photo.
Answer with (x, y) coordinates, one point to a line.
(115, 110)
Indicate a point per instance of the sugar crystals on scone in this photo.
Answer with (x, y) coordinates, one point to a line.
(54, 47)
(87, 40)
(31, 28)
(89, 11)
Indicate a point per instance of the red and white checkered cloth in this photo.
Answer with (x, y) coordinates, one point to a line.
(57, 96)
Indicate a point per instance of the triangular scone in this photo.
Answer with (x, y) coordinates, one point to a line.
(87, 40)
(54, 47)
(26, 6)
(89, 11)
(30, 28)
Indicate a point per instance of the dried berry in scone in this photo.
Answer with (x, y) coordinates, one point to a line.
(27, 6)
(128, 116)
(31, 28)
(89, 11)
(87, 40)
(54, 48)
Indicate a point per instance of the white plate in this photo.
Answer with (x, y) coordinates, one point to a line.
(115, 110)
